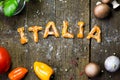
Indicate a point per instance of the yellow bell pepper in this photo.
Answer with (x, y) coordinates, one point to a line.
(42, 70)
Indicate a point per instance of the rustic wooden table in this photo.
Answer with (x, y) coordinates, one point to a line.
(67, 57)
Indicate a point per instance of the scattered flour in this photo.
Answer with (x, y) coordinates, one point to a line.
(63, 1)
(48, 56)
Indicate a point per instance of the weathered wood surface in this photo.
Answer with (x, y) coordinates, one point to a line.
(67, 57)
(110, 44)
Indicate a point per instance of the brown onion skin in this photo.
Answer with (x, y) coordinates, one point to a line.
(95, 70)
(101, 11)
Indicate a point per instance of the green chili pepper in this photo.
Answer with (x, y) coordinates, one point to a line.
(9, 7)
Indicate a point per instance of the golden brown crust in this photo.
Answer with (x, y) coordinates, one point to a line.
(35, 30)
(23, 39)
(65, 32)
(47, 32)
(81, 29)
(95, 33)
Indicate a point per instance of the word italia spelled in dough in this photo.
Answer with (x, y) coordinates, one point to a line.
(52, 30)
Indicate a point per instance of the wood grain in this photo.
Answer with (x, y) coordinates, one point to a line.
(110, 44)
(67, 57)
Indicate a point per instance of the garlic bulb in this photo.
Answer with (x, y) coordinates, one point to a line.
(112, 63)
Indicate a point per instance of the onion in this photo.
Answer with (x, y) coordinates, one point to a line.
(92, 69)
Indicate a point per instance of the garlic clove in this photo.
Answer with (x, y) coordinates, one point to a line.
(115, 4)
(98, 3)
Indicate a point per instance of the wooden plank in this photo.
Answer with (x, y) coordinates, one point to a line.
(9, 39)
(40, 14)
(74, 56)
(110, 42)
(66, 56)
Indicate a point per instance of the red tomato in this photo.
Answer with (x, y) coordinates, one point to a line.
(5, 60)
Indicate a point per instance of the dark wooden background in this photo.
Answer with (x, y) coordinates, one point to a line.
(67, 57)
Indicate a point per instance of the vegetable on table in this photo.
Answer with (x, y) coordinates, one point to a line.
(9, 7)
(92, 69)
(12, 7)
(43, 71)
(112, 63)
(1, 3)
(17, 73)
(5, 60)
(102, 10)
(113, 2)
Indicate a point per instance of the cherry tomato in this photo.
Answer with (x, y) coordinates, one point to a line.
(17, 73)
(5, 60)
